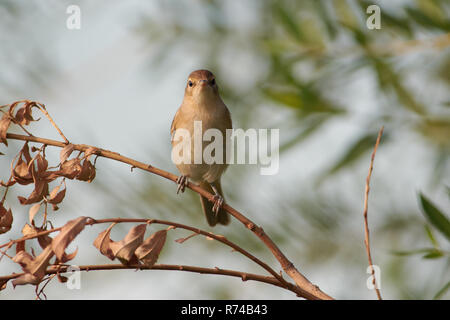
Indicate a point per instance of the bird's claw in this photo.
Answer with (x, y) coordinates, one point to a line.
(182, 182)
(218, 202)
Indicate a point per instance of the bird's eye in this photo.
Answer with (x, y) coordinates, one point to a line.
(190, 84)
(213, 81)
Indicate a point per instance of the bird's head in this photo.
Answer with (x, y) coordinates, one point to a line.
(202, 86)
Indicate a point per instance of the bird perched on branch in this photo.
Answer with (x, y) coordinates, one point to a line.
(202, 103)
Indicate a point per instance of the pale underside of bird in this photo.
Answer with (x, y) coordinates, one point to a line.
(202, 104)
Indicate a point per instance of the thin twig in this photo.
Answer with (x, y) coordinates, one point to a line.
(311, 290)
(41, 291)
(366, 205)
(44, 111)
(6, 191)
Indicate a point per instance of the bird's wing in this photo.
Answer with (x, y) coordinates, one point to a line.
(173, 126)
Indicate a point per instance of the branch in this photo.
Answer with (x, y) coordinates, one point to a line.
(310, 291)
(281, 282)
(366, 204)
(55, 269)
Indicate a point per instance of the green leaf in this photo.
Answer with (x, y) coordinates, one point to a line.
(344, 13)
(287, 19)
(355, 151)
(431, 237)
(391, 81)
(326, 18)
(433, 254)
(303, 98)
(437, 131)
(423, 19)
(286, 98)
(411, 252)
(435, 216)
(442, 291)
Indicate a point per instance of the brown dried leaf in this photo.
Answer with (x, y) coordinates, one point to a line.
(66, 152)
(54, 192)
(124, 249)
(148, 252)
(6, 219)
(26, 152)
(28, 230)
(24, 114)
(27, 278)
(35, 266)
(20, 116)
(22, 173)
(13, 105)
(32, 212)
(87, 172)
(55, 196)
(70, 169)
(42, 164)
(45, 240)
(24, 259)
(103, 242)
(49, 176)
(3, 284)
(61, 278)
(41, 262)
(68, 232)
(40, 190)
(4, 125)
(67, 257)
(20, 246)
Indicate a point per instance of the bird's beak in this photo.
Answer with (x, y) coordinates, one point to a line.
(203, 83)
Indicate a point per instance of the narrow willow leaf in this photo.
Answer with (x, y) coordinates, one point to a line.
(434, 254)
(435, 216)
(411, 252)
(442, 291)
(431, 236)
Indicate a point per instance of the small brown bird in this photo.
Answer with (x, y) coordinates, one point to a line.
(202, 102)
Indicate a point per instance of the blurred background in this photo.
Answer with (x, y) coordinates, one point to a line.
(310, 68)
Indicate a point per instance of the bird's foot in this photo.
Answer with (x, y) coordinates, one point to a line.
(218, 202)
(182, 181)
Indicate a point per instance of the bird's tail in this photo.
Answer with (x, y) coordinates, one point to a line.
(222, 216)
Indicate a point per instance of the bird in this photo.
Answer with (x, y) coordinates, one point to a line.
(202, 102)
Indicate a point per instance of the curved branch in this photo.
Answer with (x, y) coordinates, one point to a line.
(55, 269)
(282, 283)
(310, 290)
